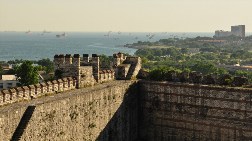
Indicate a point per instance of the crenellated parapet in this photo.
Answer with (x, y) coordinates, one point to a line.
(118, 59)
(126, 67)
(106, 75)
(66, 60)
(76, 72)
(34, 91)
(86, 70)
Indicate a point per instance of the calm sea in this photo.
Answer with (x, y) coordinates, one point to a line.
(35, 45)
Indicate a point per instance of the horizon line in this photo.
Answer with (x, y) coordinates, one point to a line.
(39, 31)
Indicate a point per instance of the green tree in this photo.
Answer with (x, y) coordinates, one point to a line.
(142, 52)
(243, 73)
(58, 74)
(47, 65)
(105, 61)
(163, 73)
(144, 60)
(204, 67)
(150, 57)
(16, 61)
(157, 52)
(222, 71)
(27, 74)
(158, 74)
(184, 50)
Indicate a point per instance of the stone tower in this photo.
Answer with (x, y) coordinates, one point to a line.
(68, 59)
(76, 64)
(59, 61)
(118, 59)
(96, 66)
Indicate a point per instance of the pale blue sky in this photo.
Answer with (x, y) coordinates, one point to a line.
(124, 15)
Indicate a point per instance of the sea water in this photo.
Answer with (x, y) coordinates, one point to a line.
(38, 45)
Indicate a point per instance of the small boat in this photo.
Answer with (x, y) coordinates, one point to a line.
(61, 35)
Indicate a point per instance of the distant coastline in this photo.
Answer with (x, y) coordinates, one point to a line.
(34, 46)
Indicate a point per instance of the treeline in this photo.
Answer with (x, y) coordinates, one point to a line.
(220, 54)
(27, 72)
(192, 55)
(195, 42)
(41, 65)
(239, 78)
(158, 57)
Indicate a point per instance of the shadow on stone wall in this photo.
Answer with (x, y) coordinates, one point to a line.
(23, 123)
(123, 126)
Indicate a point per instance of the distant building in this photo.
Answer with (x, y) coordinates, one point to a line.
(6, 66)
(8, 81)
(238, 30)
(222, 33)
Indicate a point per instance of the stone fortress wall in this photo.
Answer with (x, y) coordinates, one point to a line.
(101, 112)
(126, 67)
(179, 111)
(104, 112)
(124, 110)
(77, 72)
(147, 110)
(17, 94)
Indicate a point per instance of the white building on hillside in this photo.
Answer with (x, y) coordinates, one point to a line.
(8, 81)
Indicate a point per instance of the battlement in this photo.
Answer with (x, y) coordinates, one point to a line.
(75, 60)
(84, 69)
(126, 67)
(76, 72)
(79, 67)
(118, 59)
(30, 92)
(66, 60)
(106, 75)
(34, 91)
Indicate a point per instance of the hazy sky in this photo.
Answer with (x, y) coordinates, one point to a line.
(124, 15)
